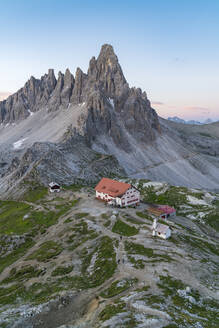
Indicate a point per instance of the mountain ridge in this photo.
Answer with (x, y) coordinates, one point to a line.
(112, 121)
(191, 122)
(105, 92)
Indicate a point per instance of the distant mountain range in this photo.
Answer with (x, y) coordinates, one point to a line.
(180, 120)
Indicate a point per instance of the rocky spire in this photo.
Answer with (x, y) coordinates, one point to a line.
(107, 71)
(69, 82)
(62, 92)
(55, 99)
(51, 79)
(106, 93)
(31, 98)
(79, 87)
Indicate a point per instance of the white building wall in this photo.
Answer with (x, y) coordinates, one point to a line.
(165, 235)
(131, 197)
(103, 196)
(118, 201)
(168, 234)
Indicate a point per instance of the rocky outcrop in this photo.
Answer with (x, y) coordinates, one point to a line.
(68, 86)
(107, 72)
(113, 108)
(92, 125)
(67, 163)
(31, 98)
(78, 91)
(62, 92)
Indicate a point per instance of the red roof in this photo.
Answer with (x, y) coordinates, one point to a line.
(167, 209)
(111, 187)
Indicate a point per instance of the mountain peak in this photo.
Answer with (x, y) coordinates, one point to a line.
(107, 50)
(103, 89)
(108, 57)
(51, 73)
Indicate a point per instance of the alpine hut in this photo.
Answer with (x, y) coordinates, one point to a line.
(117, 193)
(54, 187)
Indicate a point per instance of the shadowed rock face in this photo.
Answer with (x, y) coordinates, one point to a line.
(62, 92)
(78, 118)
(107, 72)
(112, 107)
(31, 98)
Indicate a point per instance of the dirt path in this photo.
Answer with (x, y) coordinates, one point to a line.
(152, 166)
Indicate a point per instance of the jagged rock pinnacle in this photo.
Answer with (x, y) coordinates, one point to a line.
(105, 91)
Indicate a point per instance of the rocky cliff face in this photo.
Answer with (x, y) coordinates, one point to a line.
(112, 107)
(99, 104)
(31, 98)
(118, 131)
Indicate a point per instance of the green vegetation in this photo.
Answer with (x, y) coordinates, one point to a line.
(144, 216)
(133, 248)
(105, 216)
(111, 310)
(170, 285)
(60, 271)
(12, 217)
(118, 287)
(15, 254)
(185, 310)
(104, 266)
(204, 134)
(132, 220)
(124, 229)
(81, 215)
(216, 203)
(193, 210)
(68, 220)
(212, 219)
(13, 220)
(173, 196)
(200, 245)
(36, 294)
(46, 251)
(35, 193)
(74, 187)
(43, 219)
(24, 273)
(107, 223)
(138, 264)
(39, 293)
(10, 294)
(152, 300)
(80, 235)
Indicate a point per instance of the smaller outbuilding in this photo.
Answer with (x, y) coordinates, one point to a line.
(162, 211)
(54, 187)
(160, 230)
(158, 213)
(168, 210)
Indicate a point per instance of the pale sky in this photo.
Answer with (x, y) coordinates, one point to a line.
(168, 48)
